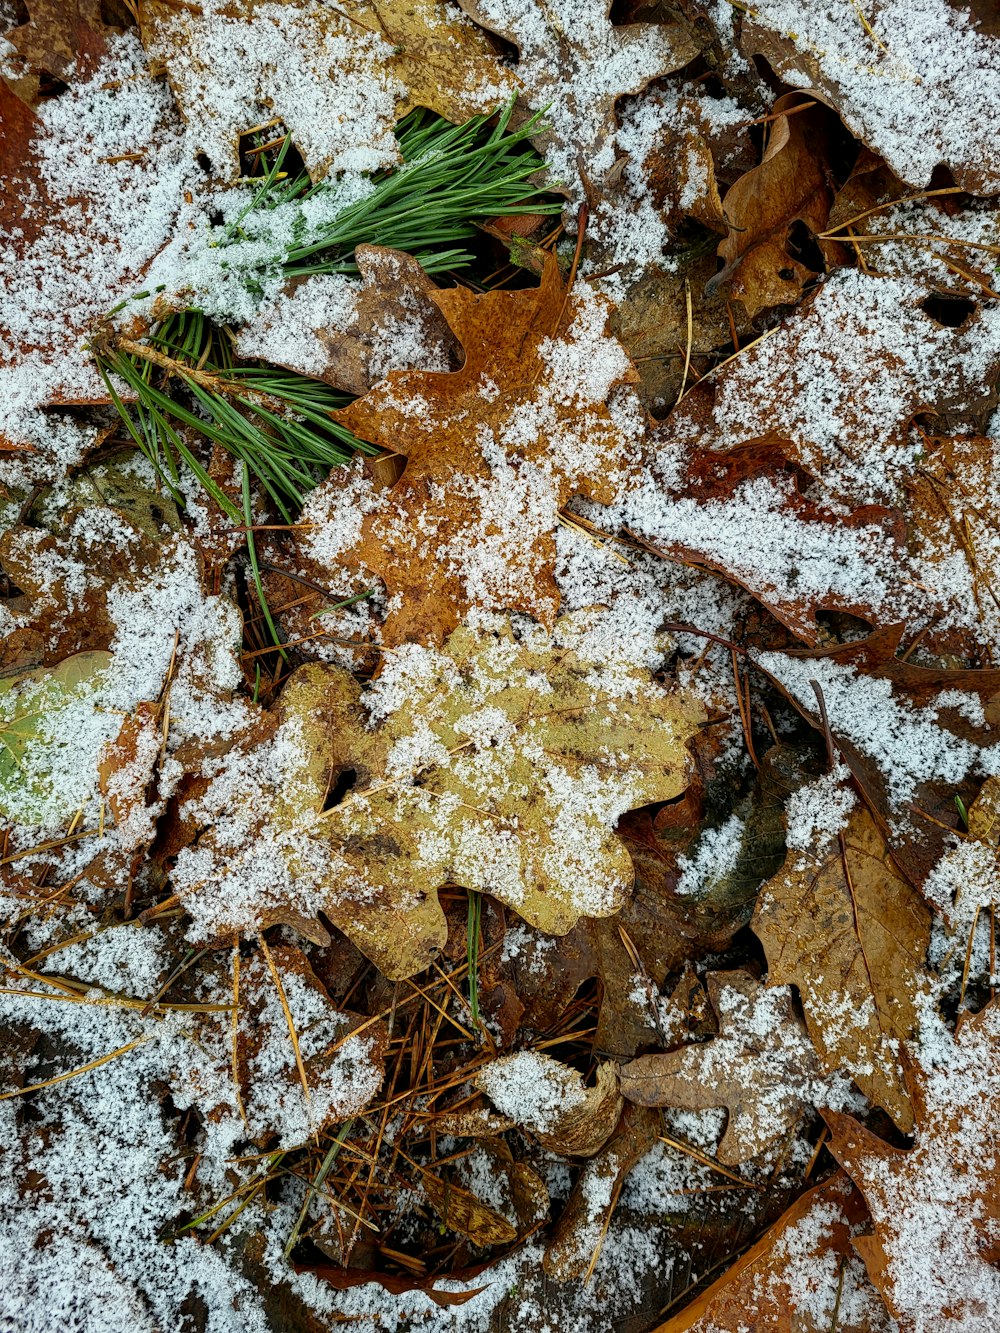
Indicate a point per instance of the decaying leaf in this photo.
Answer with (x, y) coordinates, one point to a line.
(126, 769)
(576, 64)
(839, 383)
(329, 80)
(761, 1067)
(790, 189)
(802, 1276)
(340, 1056)
(62, 38)
(445, 62)
(884, 75)
(351, 336)
(847, 905)
(493, 451)
(496, 764)
(578, 1235)
(46, 717)
(460, 1210)
(934, 1253)
(549, 1100)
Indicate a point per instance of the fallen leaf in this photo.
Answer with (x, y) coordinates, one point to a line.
(884, 78)
(63, 38)
(853, 910)
(328, 327)
(493, 451)
(126, 769)
(802, 1276)
(460, 1210)
(789, 193)
(550, 1101)
(38, 711)
(575, 64)
(578, 1236)
(761, 1067)
(498, 765)
(445, 62)
(340, 1054)
(329, 80)
(934, 1253)
(838, 384)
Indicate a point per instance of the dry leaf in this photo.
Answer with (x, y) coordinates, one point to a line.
(577, 1237)
(445, 62)
(802, 1276)
(341, 1054)
(761, 1067)
(870, 929)
(328, 80)
(63, 38)
(935, 1249)
(884, 76)
(351, 336)
(498, 765)
(126, 769)
(493, 451)
(549, 1100)
(460, 1210)
(791, 189)
(576, 64)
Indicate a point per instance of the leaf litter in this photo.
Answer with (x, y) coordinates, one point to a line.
(499, 703)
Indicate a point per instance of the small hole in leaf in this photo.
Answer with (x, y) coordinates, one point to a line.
(339, 789)
(786, 274)
(949, 311)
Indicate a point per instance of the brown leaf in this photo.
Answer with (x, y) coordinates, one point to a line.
(445, 62)
(813, 558)
(64, 38)
(856, 913)
(761, 1067)
(355, 335)
(935, 1247)
(791, 188)
(341, 1054)
(576, 64)
(290, 55)
(504, 436)
(888, 85)
(126, 770)
(460, 1210)
(577, 1237)
(802, 1276)
(550, 1101)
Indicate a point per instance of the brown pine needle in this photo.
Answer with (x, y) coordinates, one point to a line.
(705, 1160)
(288, 1018)
(73, 1073)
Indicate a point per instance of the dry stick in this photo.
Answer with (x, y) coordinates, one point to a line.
(690, 337)
(744, 707)
(288, 1017)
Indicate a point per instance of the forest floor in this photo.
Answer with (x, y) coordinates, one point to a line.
(500, 675)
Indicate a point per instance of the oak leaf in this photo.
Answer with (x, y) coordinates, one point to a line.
(886, 80)
(791, 188)
(495, 764)
(842, 924)
(63, 38)
(802, 1276)
(761, 1067)
(460, 1210)
(575, 64)
(493, 451)
(934, 1252)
